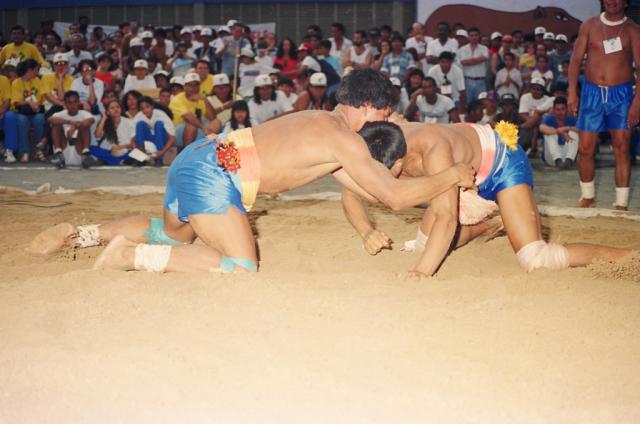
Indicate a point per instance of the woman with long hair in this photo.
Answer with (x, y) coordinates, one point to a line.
(115, 134)
(240, 117)
(314, 97)
(286, 57)
(130, 103)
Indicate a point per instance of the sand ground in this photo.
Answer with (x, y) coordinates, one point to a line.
(324, 333)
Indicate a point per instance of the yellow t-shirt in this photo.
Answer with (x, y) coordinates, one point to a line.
(23, 51)
(215, 103)
(22, 90)
(180, 105)
(5, 89)
(206, 87)
(50, 83)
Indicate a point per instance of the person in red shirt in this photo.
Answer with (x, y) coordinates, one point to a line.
(287, 57)
(104, 73)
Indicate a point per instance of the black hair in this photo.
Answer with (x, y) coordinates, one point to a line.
(148, 100)
(17, 28)
(89, 62)
(315, 28)
(386, 27)
(286, 81)
(338, 26)
(366, 87)
(385, 141)
(110, 130)
(397, 37)
(25, 66)
(511, 55)
(430, 79)
(445, 24)
(560, 100)
(407, 83)
(326, 44)
(293, 52)
(69, 94)
(256, 94)
(239, 105)
(159, 32)
(474, 105)
(446, 55)
(362, 33)
(473, 29)
(165, 90)
(125, 103)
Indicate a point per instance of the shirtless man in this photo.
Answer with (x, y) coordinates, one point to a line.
(611, 44)
(207, 197)
(504, 174)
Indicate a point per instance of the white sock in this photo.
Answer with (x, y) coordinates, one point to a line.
(88, 235)
(421, 240)
(622, 196)
(57, 150)
(85, 151)
(152, 258)
(588, 190)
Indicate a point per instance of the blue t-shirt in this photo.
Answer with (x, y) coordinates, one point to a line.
(551, 121)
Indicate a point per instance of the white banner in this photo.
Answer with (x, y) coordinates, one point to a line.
(579, 9)
(62, 28)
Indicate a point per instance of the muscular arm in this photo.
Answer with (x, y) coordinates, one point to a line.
(374, 240)
(445, 209)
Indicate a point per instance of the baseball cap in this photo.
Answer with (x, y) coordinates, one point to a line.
(161, 72)
(495, 35)
(231, 22)
(140, 63)
(395, 81)
(147, 34)
(177, 80)
(263, 80)
(206, 32)
(306, 47)
(185, 30)
(318, 79)
(374, 32)
(482, 95)
(60, 57)
(549, 36)
(462, 33)
(197, 28)
(508, 98)
(538, 81)
(191, 77)
(539, 30)
(221, 79)
(562, 37)
(136, 42)
(246, 51)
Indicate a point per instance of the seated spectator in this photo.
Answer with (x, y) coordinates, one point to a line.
(267, 103)
(162, 79)
(206, 52)
(508, 79)
(508, 111)
(180, 63)
(398, 61)
(155, 132)
(88, 87)
(542, 70)
(140, 79)
(322, 54)
(54, 85)
(560, 135)
(262, 54)
(413, 83)
(115, 134)
(474, 113)
(248, 70)
(358, 56)
(187, 115)
(176, 84)
(533, 106)
(527, 62)
(385, 50)
(77, 53)
(130, 103)
(70, 133)
(431, 106)
(27, 102)
(8, 120)
(19, 48)
(219, 103)
(314, 97)
(287, 87)
(490, 104)
(239, 117)
(165, 97)
(307, 62)
(206, 79)
(450, 79)
(104, 73)
(287, 56)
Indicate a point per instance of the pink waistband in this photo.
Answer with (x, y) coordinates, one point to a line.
(486, 135)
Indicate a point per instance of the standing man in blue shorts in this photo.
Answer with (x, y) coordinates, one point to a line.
(611, 44)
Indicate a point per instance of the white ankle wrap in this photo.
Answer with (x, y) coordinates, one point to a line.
(588, 190)
(418, 244)
(540, 254)
(88, 235)
(622, 196)
(152, 258)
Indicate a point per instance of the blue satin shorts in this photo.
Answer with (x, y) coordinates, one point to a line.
(604, 108)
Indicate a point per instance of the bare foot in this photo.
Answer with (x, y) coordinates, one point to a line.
(52, 240)
(587, 203)
(117, 255)
(621, 208)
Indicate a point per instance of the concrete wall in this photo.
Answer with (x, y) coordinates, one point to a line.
(291, 18)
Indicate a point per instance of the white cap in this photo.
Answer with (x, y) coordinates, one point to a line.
(539, 30)
(246, 51)
(191, 77)
(161, 72)
(538, 81)
(197, 28)
(231, 22)
(318, 79)
(220, 79)
(136, 42)
(395, 81)
(60, 57)
(140, 63)
(206, 32)
(262, 80)
(549, 36)
(146, 34)
(462, 33)
(177, 80)
(185, 30)
(496, 35)
(562, 37)
(482, 95)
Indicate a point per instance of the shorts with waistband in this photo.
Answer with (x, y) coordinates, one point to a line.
(604, 108)
(196, 184)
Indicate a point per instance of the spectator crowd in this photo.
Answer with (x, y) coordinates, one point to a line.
(143, 92)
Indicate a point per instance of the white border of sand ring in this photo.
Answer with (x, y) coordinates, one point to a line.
(138, 190)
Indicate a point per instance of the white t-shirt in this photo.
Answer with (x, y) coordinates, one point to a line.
(75, 60)
(403, 102)
(420, 46)
(293, 97)
(227, 127)
(339, 54)
(529, 105)
(434, 48)
(437, 112)
(248, 74)
(266, 61)
(156, 116)
(501, 77)
(547, 76)
(478, 70)
(125, 132)
(82, 115)
(268, 109)
(311, 63)
(455, 77)
(83, 90)
(359, 59)
(133, 83)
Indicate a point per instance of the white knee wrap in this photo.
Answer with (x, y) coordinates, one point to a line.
(88, 235)
(540, 254)
(152, 258)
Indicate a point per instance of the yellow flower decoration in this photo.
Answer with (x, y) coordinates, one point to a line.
(508, 133)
